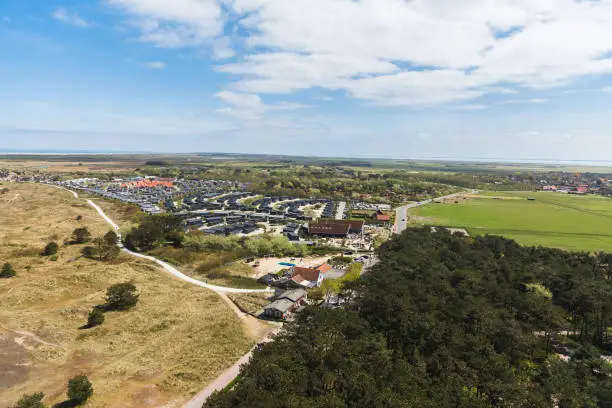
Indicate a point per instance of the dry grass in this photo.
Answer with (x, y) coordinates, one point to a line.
(250, 302)
(176, 340)
(122, 213)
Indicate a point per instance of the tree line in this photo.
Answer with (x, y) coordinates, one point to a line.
(446, 321)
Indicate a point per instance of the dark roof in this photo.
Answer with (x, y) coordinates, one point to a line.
(336, 227)
(281, 305)
(293, 295)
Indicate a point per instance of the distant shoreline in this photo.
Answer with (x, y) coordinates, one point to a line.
(475, 160)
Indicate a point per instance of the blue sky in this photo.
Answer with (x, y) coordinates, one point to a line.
(510, 79)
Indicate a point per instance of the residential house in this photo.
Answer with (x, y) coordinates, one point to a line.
(309, 277)
(279, 309)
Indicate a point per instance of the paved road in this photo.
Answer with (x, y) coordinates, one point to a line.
(401, 214)
(340, 210)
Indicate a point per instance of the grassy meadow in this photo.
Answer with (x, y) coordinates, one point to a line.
(172, 344)
(580, 223)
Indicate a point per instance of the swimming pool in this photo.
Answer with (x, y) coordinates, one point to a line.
(286, 264)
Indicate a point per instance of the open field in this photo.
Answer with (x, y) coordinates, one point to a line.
(582, 223)
(45, 164)
(175, 341)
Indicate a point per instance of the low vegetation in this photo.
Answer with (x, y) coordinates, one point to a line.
(31, 401)
(157, 353)
(50, 249)
(7, 271)
(81, 235)
(80, 390)
(250, 302)
(446, 321)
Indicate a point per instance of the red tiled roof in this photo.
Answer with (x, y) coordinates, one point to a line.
(324, 268)
(148, 183)
(383, 217)
(310, 274)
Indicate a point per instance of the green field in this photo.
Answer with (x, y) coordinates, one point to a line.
(582, 223)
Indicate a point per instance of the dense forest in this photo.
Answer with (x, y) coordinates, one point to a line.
(447, 321)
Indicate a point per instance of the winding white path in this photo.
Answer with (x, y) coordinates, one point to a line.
(166, 266)
(227, 376)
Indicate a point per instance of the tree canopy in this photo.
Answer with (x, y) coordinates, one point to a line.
(155, 231)
(81, 235)
(446, 321)
(50, 249)
(79, 389)
(121, 296)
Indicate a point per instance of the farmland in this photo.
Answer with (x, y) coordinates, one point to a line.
(581, 223)
(156, 354)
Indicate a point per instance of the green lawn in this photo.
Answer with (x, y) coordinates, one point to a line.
(555, 220)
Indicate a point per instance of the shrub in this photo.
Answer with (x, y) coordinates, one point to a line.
(104, 248)
(81, 236)
(111, 238)
(95, 318)
(79, 389)
(31, 401)
(340, 261)
(53, 258)
(7, 271)
(121, 296)
(51, 249)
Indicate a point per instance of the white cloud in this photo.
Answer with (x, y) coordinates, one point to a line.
(250, 106)
(473, 107)
(69, 17)
(606, 89)
(390, 52)
(176, 23)
(154, 65)
(537, 100)
(421, 52)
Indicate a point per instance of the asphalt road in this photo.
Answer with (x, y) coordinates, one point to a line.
(401, 213)
(340, 210)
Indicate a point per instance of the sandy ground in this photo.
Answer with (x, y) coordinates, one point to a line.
(271, 265)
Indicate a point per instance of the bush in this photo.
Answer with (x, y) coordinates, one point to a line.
(7, 271)
(121, 296)
(111, 238)
(51, 249)
(79, 389)
(95, 318)
(81, 236)
(31, 401)
(340, 261)
(104, 248)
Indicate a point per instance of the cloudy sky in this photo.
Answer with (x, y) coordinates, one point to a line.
(483, 79)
